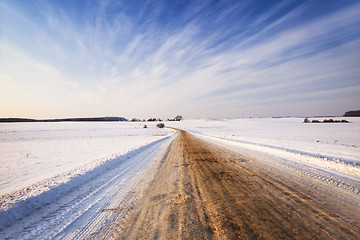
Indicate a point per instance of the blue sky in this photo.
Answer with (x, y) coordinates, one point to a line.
(200, 59)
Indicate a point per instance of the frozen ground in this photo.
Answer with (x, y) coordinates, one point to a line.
(68, 180)
(32, 152)
(329, 152)
(56, 177)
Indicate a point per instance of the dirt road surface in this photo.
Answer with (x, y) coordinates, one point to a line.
(202, 191)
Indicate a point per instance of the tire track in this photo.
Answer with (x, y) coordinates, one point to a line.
(88, 207)
(202, 191)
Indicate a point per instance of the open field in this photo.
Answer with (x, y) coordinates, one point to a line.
(209, 182)
(34, 152)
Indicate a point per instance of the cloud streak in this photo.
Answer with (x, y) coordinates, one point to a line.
(200, 59)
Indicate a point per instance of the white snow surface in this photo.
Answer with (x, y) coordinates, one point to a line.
(68, 180)
(59, 179)
(33, 152)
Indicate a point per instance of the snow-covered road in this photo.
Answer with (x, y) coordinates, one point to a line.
(68, 181)
(83, 205)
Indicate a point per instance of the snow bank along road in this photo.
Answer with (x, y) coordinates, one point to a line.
(87, 202)
(203, 191)
(184, 187)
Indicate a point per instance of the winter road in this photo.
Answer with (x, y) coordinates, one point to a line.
(183, 187)
(202, 191)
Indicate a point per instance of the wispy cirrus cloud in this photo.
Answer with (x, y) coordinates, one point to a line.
(201, 58)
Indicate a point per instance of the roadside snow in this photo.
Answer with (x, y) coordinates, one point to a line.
(83, 194)
(52, 153)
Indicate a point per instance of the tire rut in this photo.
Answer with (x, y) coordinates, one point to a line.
(202, 191)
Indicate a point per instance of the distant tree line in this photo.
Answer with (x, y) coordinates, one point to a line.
(17, 120)
(90, 119)
(306, 120)
(177, 118)
(149, 120)
(352, 114)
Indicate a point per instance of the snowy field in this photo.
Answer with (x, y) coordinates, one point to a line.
(329, 152)
(31, 152)
(56, 179)
(70, 167)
